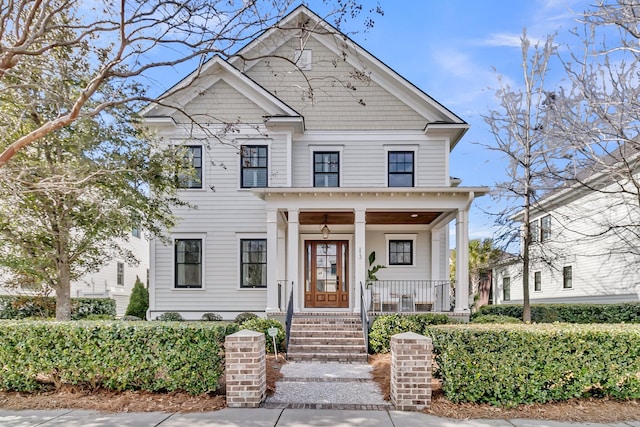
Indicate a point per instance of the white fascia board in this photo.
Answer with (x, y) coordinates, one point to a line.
(453, 130)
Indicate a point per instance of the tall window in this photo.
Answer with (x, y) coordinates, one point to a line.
(193, 157)
(120, 274)
(567, 277)
(537, 281)
(326, 169)
(534, 231)
(401, 169)
(545, 226)
(188, 263)
(400, 252)
(253, 263)
(506, 289)
(253, 162)
(135, 232)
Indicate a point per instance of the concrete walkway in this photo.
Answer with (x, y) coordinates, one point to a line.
(263, 417)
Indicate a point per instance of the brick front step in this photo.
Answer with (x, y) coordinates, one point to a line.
(328, 341)
(327, 357)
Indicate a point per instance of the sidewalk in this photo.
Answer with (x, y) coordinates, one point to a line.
(263, 418)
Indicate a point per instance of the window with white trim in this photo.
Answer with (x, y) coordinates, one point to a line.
(401, 168)
(120, 274)
(188, 263)
(193, 159)
(506, 289)
(567, 277)
(254, 166)
(537, 281)
(400, 252)
(545, 228)
(326, 169)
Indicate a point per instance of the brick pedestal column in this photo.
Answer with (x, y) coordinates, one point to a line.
(411, 371)
(246, 369)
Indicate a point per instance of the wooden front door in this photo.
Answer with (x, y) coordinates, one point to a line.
(326, 274)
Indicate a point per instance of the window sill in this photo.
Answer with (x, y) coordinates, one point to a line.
(188, 289)
(254, 288)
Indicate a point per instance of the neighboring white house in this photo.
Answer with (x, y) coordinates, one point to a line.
(586, 245)
(114, 280)
(295, 187)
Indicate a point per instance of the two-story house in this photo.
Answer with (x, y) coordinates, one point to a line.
(310, 155)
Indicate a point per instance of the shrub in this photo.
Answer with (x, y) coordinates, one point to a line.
(569, 313)
(139, 301)
(34, 307)
(384, 327)
(259, 324)
(508, 365)
(495, 318)
(211, 317)
(242, 317)
(170, 316)
(151, 356)
(131, 318)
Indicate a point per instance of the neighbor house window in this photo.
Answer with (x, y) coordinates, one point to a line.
(188, 263)
(567, 277)
(135, 232)
(545, 228)
(506, 289)
(400, 252)
(253, 162)
(326, 169)
(537, 281)
(401, 168)
(120, 274)
(193, 157)
(534, 231)
(253, 263)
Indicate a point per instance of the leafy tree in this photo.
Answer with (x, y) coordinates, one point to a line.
(139, 300)
(69, 200)
(127, 43)
(519, 126)
(482, 253)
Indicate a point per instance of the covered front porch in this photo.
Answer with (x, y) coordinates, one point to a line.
(320, 242)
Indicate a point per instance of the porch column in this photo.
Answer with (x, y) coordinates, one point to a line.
(360, 263)
(293, 256)
(436, 254)
(462, 261)
(272, 261)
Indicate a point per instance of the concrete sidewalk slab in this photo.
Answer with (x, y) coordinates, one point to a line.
(546, 423)
(334, 418)
(103, 419)
(229, 417)
(417, 419)
(29, 418)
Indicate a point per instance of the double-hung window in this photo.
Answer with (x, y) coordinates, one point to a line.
(253, 263)
(188, 263)
(537, 281)
(326, 169)
(401, 168)
(120, 274)
(506, 289)
(253, 164)
(567, 277)
(545, 228)
(193, 159)
(534, 231)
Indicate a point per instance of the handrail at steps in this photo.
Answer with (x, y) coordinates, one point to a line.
(289, 318)
(364, 317)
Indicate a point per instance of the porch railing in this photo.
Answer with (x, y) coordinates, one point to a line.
(364, 317)
(289, 317)
(392, 296)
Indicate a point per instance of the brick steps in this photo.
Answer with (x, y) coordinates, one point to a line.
(326, 338)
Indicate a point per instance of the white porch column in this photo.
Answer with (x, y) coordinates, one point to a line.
(360, 263)
(293, 275)
(272, 261)
(436, 254)
(462, 261)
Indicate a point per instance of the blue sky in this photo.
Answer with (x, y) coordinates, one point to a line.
(449, 49)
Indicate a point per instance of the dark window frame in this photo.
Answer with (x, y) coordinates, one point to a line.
(506, 289)
(261, 264)
(120, 273)
(392, 171)
(537, 281)
(318, 174)
(176, 263)
(403, 252)
(567, 277)
(247, 164)
(192, 182)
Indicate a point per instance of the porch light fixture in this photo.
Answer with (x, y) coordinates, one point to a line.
(414, 215)
(325, 229)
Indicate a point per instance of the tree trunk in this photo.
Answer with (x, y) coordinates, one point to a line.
(63, 293)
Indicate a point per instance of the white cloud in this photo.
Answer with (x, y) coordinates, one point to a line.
(501, 40)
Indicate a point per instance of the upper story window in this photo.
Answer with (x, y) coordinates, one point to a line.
(120, 274)
(188, 263)
(534, 231)
(545, 228)
(326, 169)
(135, 232)
(253, 263)
(253, 163)
(193, 157)
(401, 168)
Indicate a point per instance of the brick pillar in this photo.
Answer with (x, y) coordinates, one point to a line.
(246, 369)
(411, 371)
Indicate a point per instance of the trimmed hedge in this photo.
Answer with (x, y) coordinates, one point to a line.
(259, 324)
(29, 307)
(152, 356)
(569, 313)
(507, 365)
(495, 318)
(385, 326)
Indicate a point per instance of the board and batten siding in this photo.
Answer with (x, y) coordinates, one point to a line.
(342, 98)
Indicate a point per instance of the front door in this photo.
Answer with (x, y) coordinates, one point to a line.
(326, 274)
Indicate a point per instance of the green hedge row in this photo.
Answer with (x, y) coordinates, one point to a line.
(569, 313)
(259, 324)
(152, 356)
(385, 326)
(507, 365)
(25, 307)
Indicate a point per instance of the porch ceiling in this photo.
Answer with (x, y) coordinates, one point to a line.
(375, 218)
